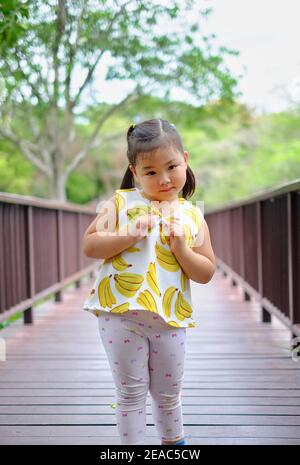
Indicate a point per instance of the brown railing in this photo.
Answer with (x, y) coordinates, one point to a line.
(257, 242)
(40, 251)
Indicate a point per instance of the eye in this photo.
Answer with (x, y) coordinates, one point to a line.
(172, 166)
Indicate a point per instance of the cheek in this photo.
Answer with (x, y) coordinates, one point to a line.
(181, 172)
(149, 179)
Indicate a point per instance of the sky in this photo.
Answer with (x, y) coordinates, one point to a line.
(267, 35)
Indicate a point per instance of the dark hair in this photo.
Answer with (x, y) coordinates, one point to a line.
(148, 136)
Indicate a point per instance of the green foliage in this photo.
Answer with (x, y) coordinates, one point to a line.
(64, 33)
(11, 320)
(263, 155)
(232, 153)
(52, 55)
(16, 171)
(80, 188)
(13, 15)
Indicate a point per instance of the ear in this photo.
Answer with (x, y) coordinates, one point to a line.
(186, 157)
(132, 169)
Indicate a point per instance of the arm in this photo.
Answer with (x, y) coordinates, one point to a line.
(199, 262)
(100, 240)
(105, 245)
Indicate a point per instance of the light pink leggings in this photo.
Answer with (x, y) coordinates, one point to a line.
(145, 353)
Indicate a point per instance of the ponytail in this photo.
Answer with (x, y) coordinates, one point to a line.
(128, 179)
(190, 183)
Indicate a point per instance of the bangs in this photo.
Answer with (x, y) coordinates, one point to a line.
(145, 148)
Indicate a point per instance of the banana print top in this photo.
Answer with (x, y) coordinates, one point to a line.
(147, 275)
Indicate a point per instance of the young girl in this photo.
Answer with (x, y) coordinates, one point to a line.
(153, 243)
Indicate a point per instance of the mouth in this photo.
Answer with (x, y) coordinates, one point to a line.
(167, 190)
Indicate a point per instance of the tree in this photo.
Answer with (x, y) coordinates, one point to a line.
(68, 39)
(12, 23)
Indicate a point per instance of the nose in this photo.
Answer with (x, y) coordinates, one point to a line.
(164, 179)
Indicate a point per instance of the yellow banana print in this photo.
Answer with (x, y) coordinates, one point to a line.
(133, 213)
(105, 295)
(166, 258)
(119, 263)
(96, 313)
(147, 301)
(154, 210)
(167, 300)
(120, 202)
(188, 235)
(128, 283)
(174, 323)
(182, 308)
(120, 308)
(151, 278)
(183, 279)
(192, 213)
(110, 299)
(133, 249)
(164, 238)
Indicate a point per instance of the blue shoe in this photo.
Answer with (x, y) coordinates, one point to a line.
(181, 442)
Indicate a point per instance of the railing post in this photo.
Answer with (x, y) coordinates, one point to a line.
(290, 260)
(226, 224)
(60, 256)
(28, 314)
(246, 296)
(92, 274)
(2, 265)
(265, 315)
(80, 261)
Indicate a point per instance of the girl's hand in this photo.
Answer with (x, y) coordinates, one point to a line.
(141, 227)
(177, 236)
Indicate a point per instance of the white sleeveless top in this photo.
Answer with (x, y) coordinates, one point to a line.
(147, 276)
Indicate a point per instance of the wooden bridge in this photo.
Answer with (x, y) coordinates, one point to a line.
(242, 378)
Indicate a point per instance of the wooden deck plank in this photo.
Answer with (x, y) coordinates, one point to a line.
(241, 385)
(195, 392)
(187, 400)
(192, 440)
(109, 432)
(275, 382)
(205, 374)
(104, 419)
(99, 409)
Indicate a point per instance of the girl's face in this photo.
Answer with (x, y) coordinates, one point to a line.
(161, 170)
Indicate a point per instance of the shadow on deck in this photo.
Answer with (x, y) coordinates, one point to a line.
(241, 385)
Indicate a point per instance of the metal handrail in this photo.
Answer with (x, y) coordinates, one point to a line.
(40, 251)
(257, 242)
